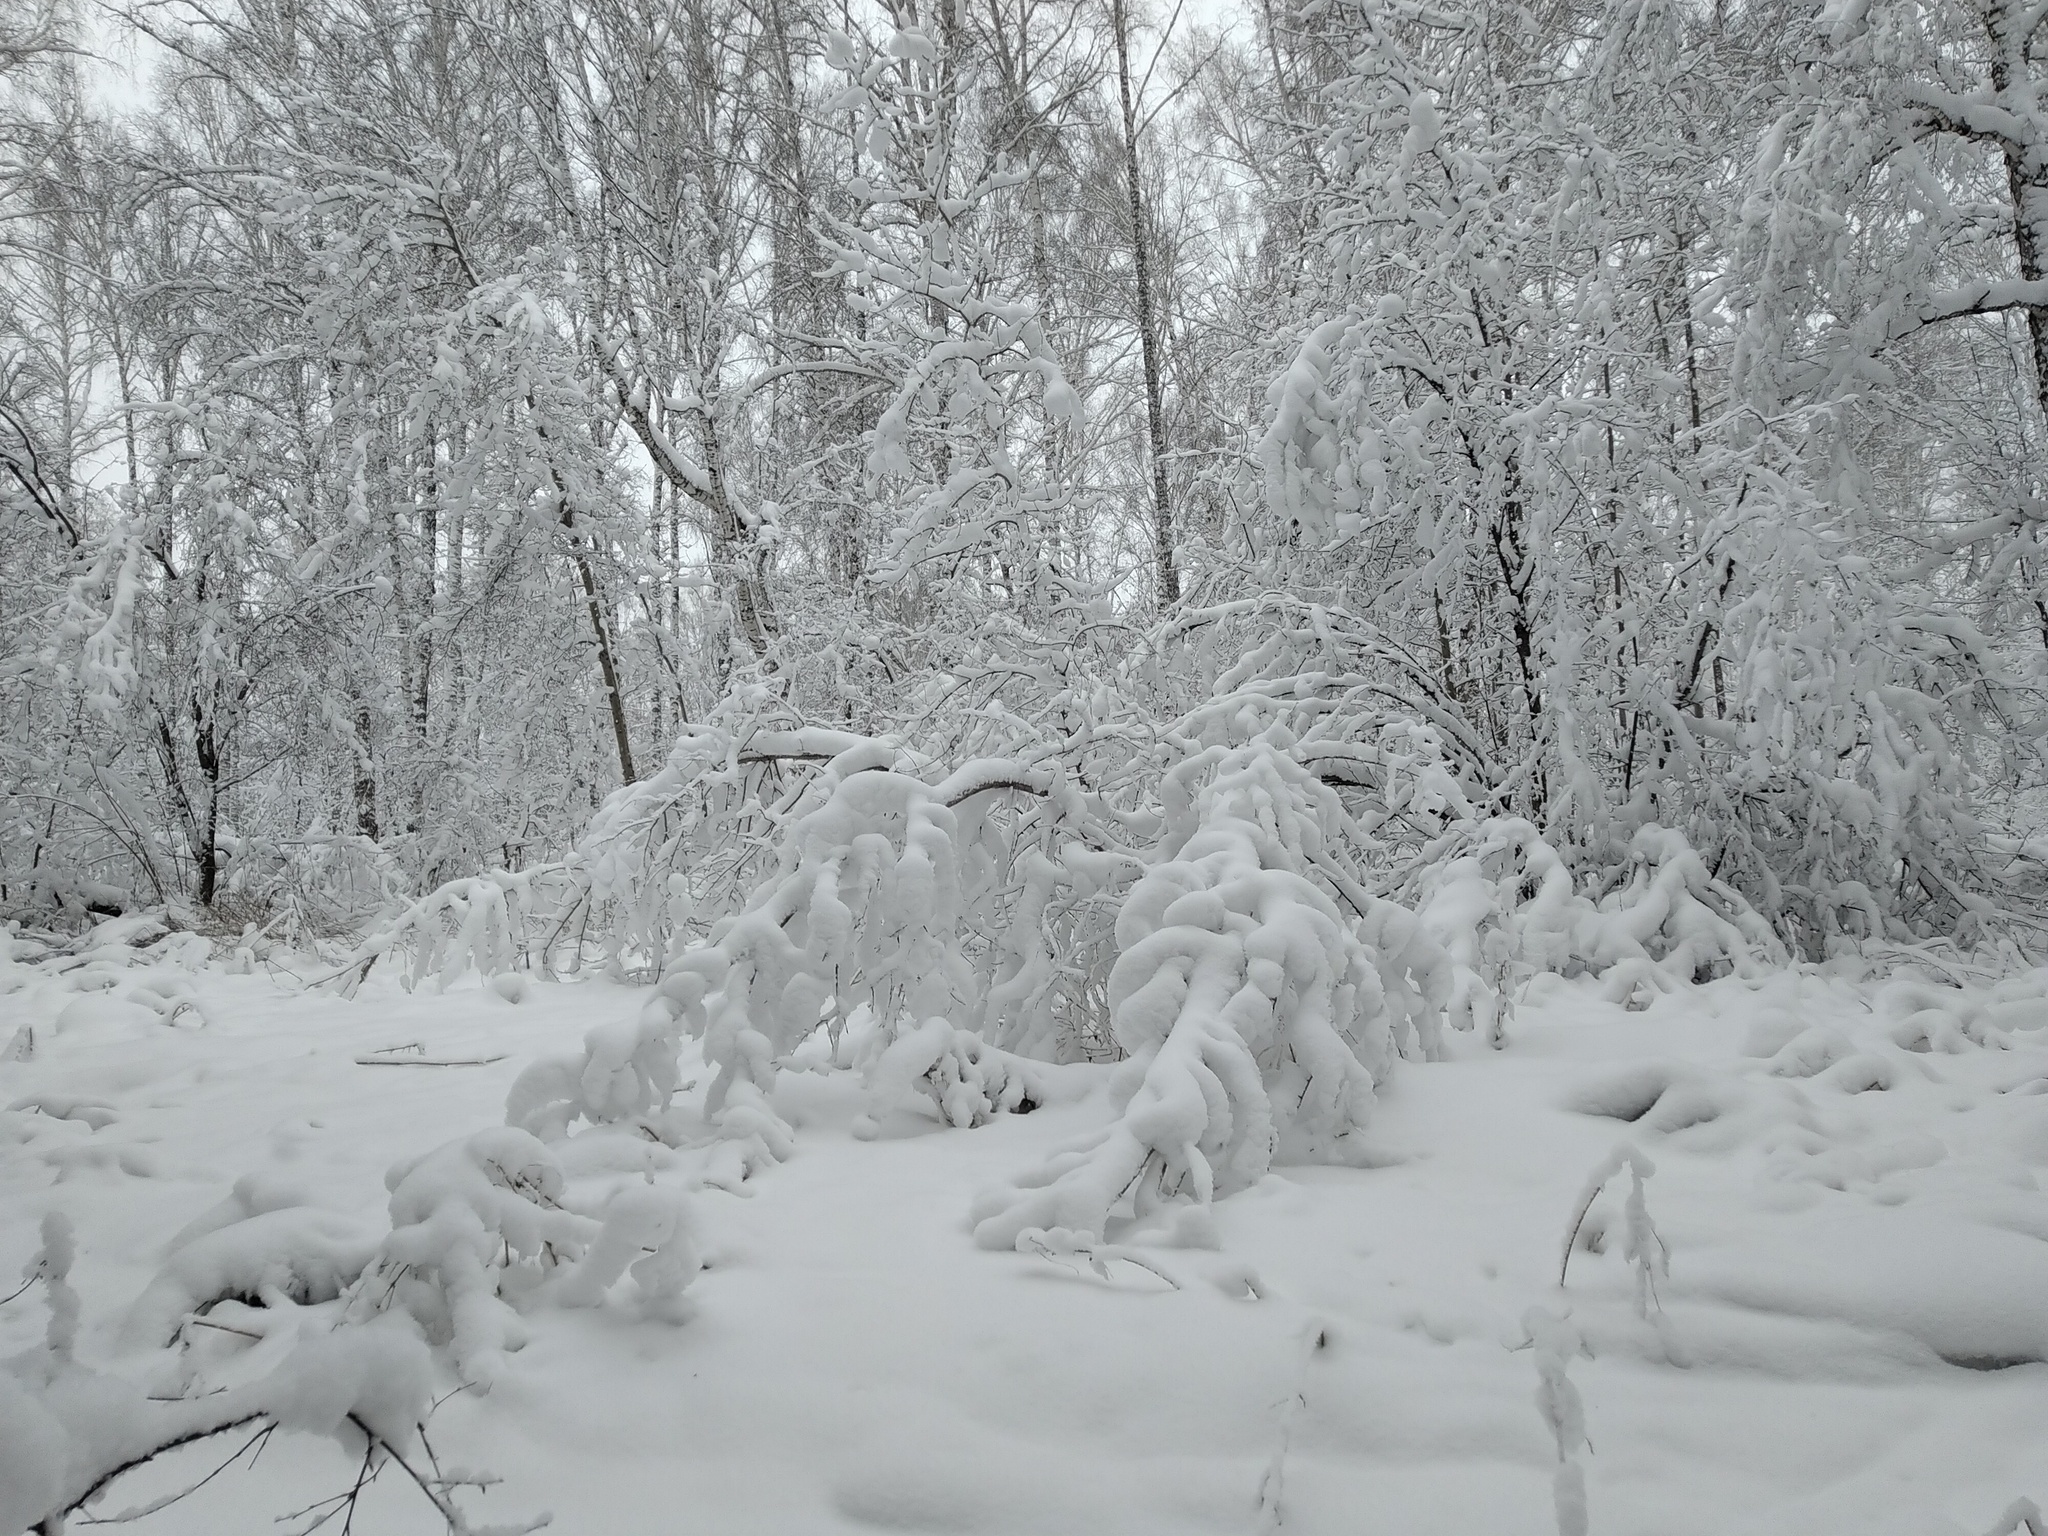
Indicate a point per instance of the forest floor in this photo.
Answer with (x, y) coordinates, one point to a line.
(1850, 1338)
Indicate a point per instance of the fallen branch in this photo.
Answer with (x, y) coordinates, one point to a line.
(428, 1061)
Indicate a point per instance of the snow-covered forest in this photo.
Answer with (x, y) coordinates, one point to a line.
(1024, 766)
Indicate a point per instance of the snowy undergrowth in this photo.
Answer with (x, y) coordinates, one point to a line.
(337, 1331)
(903, 934)
(128, 969)
(899, 903)
(1502, 902)
(1847, 1335)
(343, 1326)
(940, 932)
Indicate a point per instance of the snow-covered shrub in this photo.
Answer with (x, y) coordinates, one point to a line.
(1252, 1011)
(126, 970)
(893, 903)
(628, 1073)
(1365, 713)
(626, 1070)
(866, 909)
(487, 923)
(645, 1230)
(1499, 902)
(479, 1227)
(67, 1430)
(1501, 899)
(1253, 969)
(1669, 918)
(1419, 977)
(668, 855)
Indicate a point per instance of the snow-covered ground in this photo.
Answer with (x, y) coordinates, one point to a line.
(1850, 1338)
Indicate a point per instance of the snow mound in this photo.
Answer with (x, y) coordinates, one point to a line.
(1971, 1293)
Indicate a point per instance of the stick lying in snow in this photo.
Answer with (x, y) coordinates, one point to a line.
(428, 1061)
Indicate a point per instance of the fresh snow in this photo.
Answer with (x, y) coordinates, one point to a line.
(1849, 1337)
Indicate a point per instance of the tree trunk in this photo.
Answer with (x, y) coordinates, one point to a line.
(364, 791)
(606, 664)
(1168, 571)
(2012, 29)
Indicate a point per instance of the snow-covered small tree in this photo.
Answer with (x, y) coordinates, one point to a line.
(1254, 1016)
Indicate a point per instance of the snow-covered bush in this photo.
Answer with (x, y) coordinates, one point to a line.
(704, 846)
(1253, 969)
(1253, 1013)
(479, 1228)
(1500, 898)
(486, 923)
(866, 909)
(271, 1313)
(895, 902)
(673, 852)
(294, 1254)
(67, 1430)
(1641, 1245)
(967, 1080)
(627, 1069)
